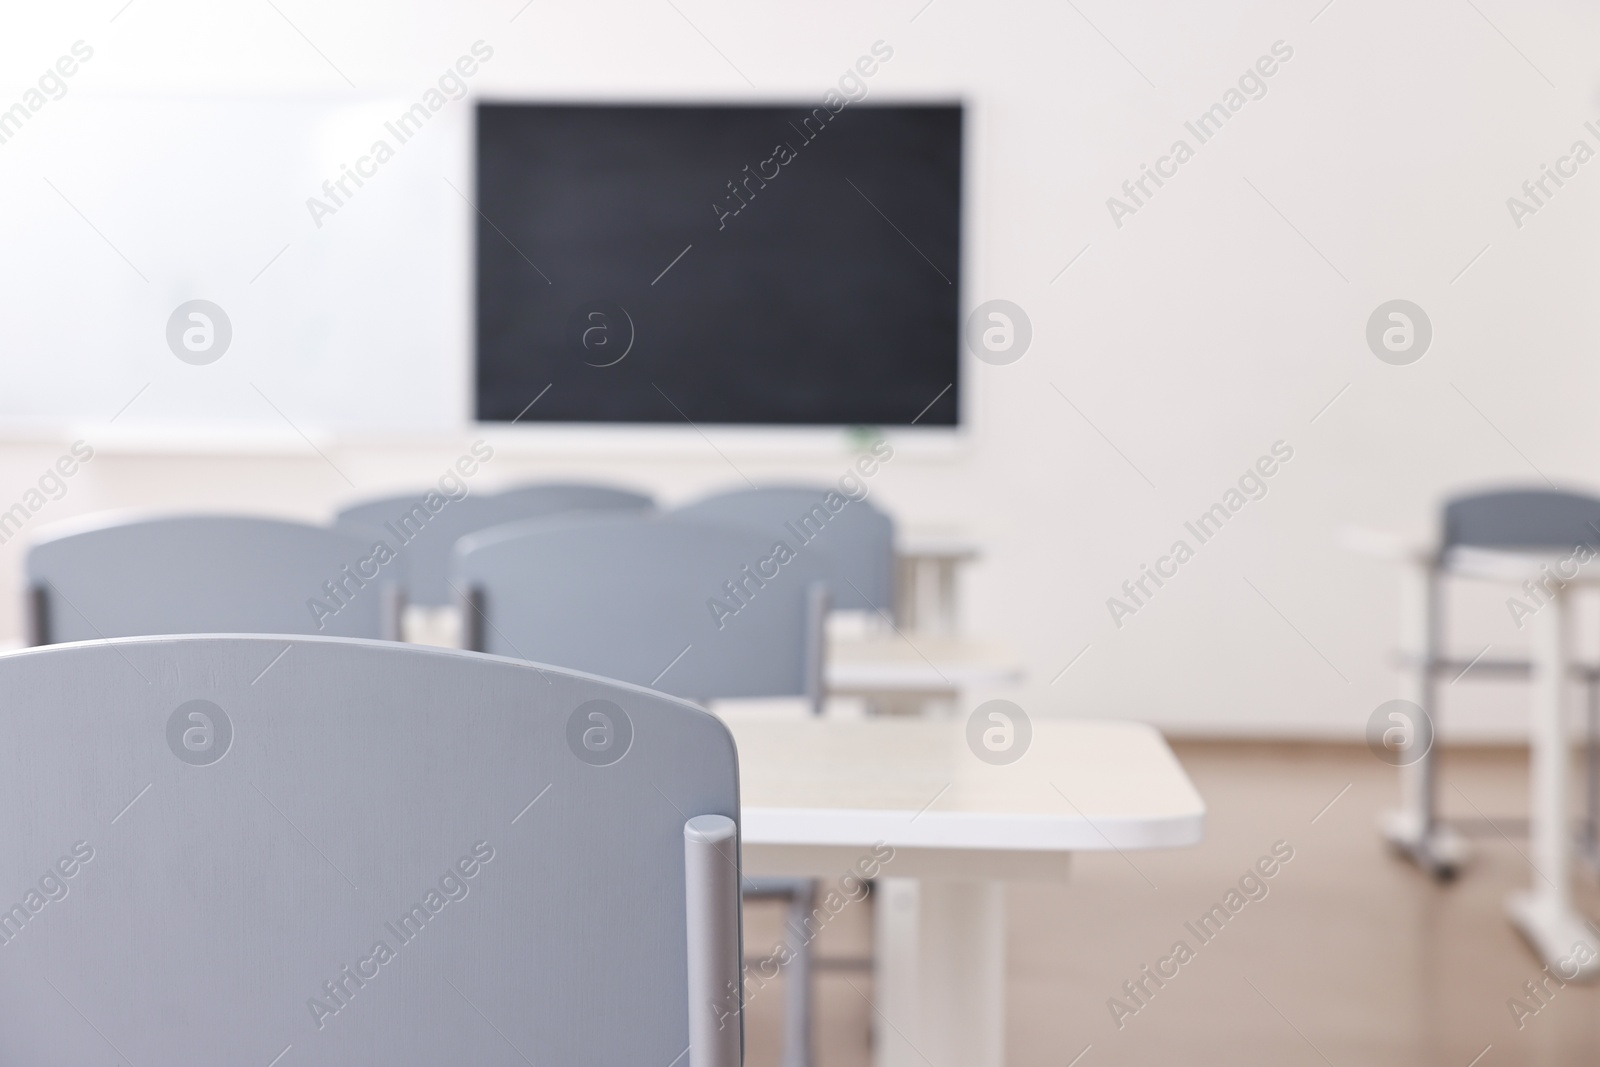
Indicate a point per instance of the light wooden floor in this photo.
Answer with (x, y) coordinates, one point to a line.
(1353, 957)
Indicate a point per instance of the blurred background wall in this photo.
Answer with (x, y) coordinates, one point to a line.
(1227, 313)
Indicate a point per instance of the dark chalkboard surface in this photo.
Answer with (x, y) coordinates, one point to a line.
(717, 264)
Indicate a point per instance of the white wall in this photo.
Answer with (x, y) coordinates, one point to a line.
(1204, 329)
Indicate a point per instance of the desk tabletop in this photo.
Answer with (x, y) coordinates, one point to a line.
(937, 543)
(1467, 561)
(916, 663)
(1081, 785)
(1398, 546)
(1517, 565)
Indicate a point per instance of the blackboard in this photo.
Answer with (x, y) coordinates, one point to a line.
(789, 265)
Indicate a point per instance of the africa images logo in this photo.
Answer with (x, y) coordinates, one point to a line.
(999, 732)
(601, 332)
(998, 332)
(199, 332)
(199, 733)
(1399, 332)
(599, 732)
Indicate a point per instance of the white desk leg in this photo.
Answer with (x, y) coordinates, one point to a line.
(940, 973)
(895, 920)
(1545, 914)
(908, 592)
(1414, 828)
(949, 612)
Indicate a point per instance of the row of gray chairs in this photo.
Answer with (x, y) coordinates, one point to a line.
(725, 598)
(859, 539)
(123, 575)
(120, 576)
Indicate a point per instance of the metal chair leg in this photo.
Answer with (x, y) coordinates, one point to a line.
(1589, 846)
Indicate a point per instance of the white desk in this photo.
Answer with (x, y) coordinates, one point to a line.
(819, 794)
(915, 665)
(885, 665)
(1544, 913)
(925, 579)
(926, 562)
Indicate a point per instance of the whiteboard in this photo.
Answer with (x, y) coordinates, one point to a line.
(120, 209)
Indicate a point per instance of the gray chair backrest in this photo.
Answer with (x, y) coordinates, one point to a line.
(853, 534)
(127, 577)
(1521, 518)
(425, 526)
(698, 609)
(364, 851)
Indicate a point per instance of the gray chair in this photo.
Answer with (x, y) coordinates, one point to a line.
(425, 526)
(852, 534)
(1514, 519)
(120, 576)
(362, 851)
(699, 609)
(1521, 519)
